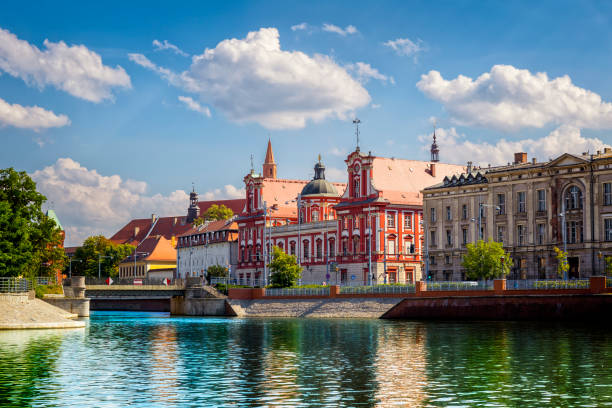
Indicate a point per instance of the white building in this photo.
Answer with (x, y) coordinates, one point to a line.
(213, 243)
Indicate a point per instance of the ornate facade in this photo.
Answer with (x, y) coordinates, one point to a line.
(531, 207)
(365, 231)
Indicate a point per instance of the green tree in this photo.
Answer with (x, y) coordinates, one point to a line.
(27, 235)
(284, 269)
(483, 260)
(103, 249)
(216, 271)
(608, 261)
(217, 212)
(562, 264)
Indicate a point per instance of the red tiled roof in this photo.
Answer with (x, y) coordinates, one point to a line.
(211, 227)
(401, 181)
(136, 230)
(236, 205)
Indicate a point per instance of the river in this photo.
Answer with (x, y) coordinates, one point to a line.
(154, 360)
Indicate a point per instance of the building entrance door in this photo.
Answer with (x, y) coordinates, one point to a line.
(574, 267)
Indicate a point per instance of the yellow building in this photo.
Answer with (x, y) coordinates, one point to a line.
(154, 258)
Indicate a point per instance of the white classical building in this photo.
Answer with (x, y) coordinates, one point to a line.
(213, 243)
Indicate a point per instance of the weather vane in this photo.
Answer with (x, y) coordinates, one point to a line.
(356, 122)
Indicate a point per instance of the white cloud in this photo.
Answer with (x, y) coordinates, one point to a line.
(165, 45)
(253, 80)
(375, 106)
(456, 148)
(336, 175)
(338, 152)
(299, 27)
(29, 117)
(89, 203)
(349, 29)
(508, 98)
(74, 69)
(365, 72)
(194, 106)
(406, 47)
(227, 192)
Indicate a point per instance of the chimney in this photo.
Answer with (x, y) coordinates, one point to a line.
(469, 167)
(136, 230)
(534, 160)
(520, 158)
(432, 169)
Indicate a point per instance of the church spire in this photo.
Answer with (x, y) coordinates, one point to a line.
(435, 151)
(269, 166)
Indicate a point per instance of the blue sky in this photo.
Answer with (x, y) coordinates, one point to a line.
(115, 141)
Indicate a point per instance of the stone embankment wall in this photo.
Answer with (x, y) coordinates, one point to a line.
(337, 308)
(73, 300)
(23, 311)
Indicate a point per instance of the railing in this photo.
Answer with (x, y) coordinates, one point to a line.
(524, 284)
(15, 285)
(378, 289)
(93, 281)
(459, 285)
(297, 291)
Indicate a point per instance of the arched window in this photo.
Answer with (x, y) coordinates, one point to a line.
(315, 215)
(292, 247)
(332, 247)
(355, 245)
(319, 249)
(306, 249)
(573, 198)
(281, 246)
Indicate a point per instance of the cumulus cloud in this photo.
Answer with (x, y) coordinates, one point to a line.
(508, 98)
(254, 80)
(165, 45)
(456, 148)
(336, 175)
(299, 27)
(405, 47)
(227, 192)
(29, 117)
(349, 29)
(74, 69)
(194, 106)
(89, 203)
(364, 72)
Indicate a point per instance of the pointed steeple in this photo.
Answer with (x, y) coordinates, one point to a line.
(435, 151)
(269, 166)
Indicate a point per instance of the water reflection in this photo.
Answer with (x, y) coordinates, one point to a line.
(153, 360)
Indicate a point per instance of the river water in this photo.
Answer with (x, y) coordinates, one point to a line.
(153, 360)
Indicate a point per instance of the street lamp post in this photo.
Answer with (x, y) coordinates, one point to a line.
(70, 265)
(143, 253)
(424, 229)
(100, 259)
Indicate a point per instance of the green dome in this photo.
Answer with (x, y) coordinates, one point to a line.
(319, 186)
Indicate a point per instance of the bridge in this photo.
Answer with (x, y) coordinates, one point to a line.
(150, 298)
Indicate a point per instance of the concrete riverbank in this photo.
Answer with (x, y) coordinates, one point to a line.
(23, 311)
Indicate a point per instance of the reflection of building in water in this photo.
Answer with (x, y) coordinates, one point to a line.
(164, 377)
(400, 365)
(281, 365)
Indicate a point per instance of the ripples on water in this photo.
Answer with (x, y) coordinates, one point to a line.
(142, 360)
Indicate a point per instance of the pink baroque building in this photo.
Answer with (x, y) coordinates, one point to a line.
(367, 231)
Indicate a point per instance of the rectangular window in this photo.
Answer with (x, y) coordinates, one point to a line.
(608, 229)
(391, 246)
(449, 215)
(520, 234)
(432, 213)
(500, 233)
(319, 250)
(501, 203)
(541, 200)
(464, 236)
(407, 221)
(390, 220)
(541, 234)
(432, 238)
(306, 250)
(571, 232)
(447, 259)
(464, 212)
(607, 187)
(520, 202)
(332, 248)
(449, 237)
(344, 247)
(432, 260)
